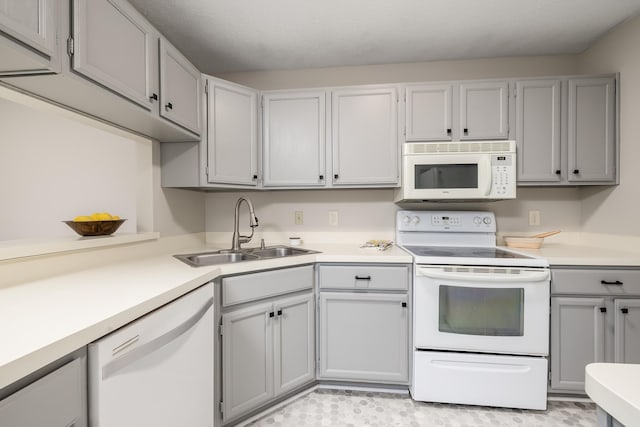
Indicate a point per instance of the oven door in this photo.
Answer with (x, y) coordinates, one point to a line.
(447, 176)
(482, 309)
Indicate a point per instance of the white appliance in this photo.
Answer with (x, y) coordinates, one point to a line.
(475, 170)
(481, 313)
(158, 370)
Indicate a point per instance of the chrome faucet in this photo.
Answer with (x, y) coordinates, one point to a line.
(253, 223)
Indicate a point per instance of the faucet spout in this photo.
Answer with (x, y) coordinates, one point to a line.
(238, 239)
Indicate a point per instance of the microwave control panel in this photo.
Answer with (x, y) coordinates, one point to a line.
(503, 176)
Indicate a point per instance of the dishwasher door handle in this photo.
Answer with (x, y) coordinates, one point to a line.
(138, 353)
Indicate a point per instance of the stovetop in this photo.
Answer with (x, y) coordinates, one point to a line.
(463, 252)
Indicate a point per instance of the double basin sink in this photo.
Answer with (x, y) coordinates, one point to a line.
(226, 256)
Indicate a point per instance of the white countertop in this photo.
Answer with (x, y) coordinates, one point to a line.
(585, 255)
(43, 320)
(614, 387)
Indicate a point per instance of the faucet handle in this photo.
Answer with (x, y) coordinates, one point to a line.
(262, 246)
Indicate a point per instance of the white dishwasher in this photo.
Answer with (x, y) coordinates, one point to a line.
(157, 371)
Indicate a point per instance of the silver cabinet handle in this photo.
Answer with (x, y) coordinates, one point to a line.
(138, 353)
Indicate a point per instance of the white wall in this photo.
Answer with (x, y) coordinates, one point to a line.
(56, 164)
(616, 210)
(362, 210)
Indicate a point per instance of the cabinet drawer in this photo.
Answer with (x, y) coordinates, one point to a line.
(364, 277)
(255, 286)
(54, 400)
(595, 281)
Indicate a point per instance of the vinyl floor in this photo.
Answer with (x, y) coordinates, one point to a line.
(345, 408)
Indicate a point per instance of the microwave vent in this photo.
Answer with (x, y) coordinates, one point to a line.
(460, 147)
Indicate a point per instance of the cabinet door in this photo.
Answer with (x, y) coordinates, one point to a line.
(112, 46)
(179, 89)
(363, 337)
(247, 342)
(232, 134)
(365, 136)
(484, 110)
(627, 331)
(294, 339)
(57, 400)
(577, 339)
(33, 22)
(294, 139)
(428, 113)
(591, 133)
(538, 130)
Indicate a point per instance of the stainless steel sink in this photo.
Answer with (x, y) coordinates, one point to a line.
(227, 256)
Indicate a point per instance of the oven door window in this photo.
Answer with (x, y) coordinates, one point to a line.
(446, 176)
(481, 311)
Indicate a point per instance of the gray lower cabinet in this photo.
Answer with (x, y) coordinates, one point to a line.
(28, 43)
(56, 400)
(595, 317)
(363, 323)
(268, 345)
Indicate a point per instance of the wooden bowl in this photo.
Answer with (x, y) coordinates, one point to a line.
(95, 228)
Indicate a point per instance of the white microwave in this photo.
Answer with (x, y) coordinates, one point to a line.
(458, 171)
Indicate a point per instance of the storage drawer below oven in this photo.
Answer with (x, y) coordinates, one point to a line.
(515, 381)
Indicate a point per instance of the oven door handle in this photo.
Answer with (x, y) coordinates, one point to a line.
(524, 276)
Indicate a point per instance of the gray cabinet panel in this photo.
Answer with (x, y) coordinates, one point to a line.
(577, 339)
(179, 89)
(538, 130)
(428, 113)
(294, 343)
(595, 281)
(627, 330)
(591, 129)
(364, 277)
(255, 286)
(294, 139)
(232, 134)
(56, 400)
(247, 344)
(364, 337)
(112, 46)
(484, 112)
(365, 136)
(30, 21)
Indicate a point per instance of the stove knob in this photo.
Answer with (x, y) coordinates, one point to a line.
(487, 220)
(406, 220)
(415, 220)
(477, 220)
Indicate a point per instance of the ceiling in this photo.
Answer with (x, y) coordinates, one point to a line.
(221, 36)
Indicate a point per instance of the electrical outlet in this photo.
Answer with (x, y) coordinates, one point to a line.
(298, 218)
(333, 218)
(534, 217)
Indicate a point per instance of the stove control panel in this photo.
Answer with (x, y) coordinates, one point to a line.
(446, 221)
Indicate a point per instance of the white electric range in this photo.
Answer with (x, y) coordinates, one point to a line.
(481, 313)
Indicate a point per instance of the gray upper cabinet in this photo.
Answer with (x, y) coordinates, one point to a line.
(113, 45)
(28, 37)
(294, 139)
(538, 134)
(428, 113)
(484, 112)
(365, 136)
(592, 130)
(179, 88)
(232, 133)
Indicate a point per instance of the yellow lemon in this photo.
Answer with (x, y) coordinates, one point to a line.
(82, 218)
(115, 217)
(101, 216)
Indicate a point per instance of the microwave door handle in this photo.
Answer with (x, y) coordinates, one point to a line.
(486, 166)
(528, 276)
